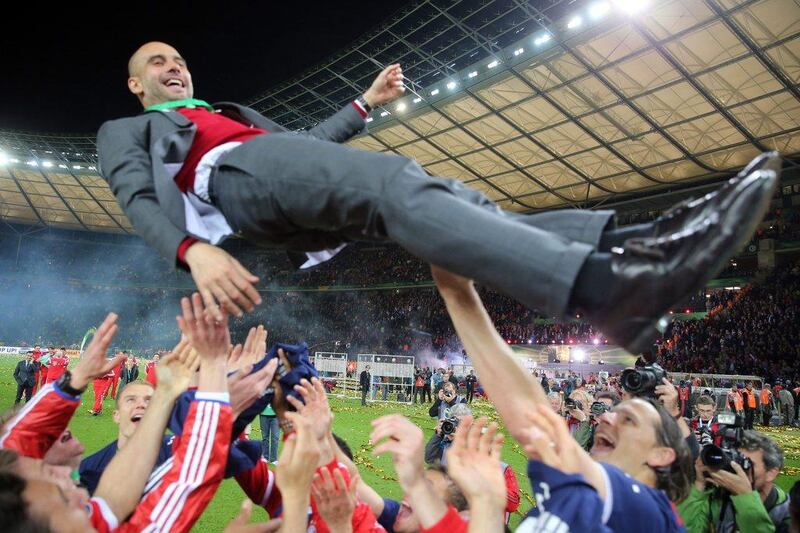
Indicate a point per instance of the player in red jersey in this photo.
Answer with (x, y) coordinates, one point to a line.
(150, 370)
(58, 365)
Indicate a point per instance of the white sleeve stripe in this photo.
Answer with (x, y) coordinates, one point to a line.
(158, 474)
(200, 474)
(608, 503)
(197, 472)
(195, 436)
(172, 494)
(11, 424)
(106, 513)
(194, 482)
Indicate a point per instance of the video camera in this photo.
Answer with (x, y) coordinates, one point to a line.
(720, 457)
(598, 408)
(643, 381)
(449, 425)
(571, 403)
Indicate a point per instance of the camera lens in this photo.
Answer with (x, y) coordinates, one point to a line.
(714, 457)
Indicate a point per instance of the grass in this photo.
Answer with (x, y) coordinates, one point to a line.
(352, 423)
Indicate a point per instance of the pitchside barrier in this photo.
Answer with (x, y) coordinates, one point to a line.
(332, 368)
(392, 377)
(719, 384)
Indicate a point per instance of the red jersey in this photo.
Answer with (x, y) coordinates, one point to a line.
(58, 365)
(35, 428)
(150, 373)
(451, 522)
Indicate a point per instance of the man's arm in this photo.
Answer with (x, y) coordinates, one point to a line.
(515, 393)
(433, 450)
(126, 166)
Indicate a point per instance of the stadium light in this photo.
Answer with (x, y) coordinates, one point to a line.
(574, 22)
(595, 341)
(434, 92)
(599, 10)
(542, 39)
(47, 164)
(62, 166)
(384, 113)
(451, 85)
(630, 7)
(518, 51)
(32, 163)
(3, 159)
(472, 74)
(77, 167)
(401, 106)
(579, 354)
(417, 100)
(493, 64)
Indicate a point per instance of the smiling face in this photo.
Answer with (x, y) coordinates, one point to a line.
(132, 402)
(157, 73)
(626, 438)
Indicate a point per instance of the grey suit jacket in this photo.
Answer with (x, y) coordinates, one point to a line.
(134, 154)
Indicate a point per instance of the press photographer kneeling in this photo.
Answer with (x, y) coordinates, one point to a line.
(734, 489)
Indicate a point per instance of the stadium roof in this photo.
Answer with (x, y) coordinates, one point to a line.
(538, 104)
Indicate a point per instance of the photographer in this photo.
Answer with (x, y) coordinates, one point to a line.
(445, 399)
(578, 419)
(743, 496)
(445, 431)
(705, 426)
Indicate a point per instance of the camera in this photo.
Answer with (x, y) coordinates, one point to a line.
(449, 425)
(643, 381)
(598, 408)
(570, 404)
(720, 457)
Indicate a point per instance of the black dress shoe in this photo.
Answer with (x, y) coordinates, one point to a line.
(653, 274)
(696, 210)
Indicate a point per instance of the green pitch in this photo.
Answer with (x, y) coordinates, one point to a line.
(352, 423)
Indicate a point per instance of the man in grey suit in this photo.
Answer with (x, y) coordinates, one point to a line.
(188, 174)
(25, 376)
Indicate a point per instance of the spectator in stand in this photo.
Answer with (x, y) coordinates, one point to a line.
(58, 365)
(471, 381)
(25, 376)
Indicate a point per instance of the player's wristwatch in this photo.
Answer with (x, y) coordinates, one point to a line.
(363, 103)
(63, 384)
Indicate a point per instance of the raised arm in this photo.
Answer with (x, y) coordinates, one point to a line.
(514, 392)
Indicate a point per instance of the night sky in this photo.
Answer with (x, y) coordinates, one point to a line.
(65, 71)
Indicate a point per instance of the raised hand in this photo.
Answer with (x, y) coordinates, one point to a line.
(403, 439)
(93, 362)
(245, 388)
(387, 86)
(209, 336)
(255, 346)
(240, 523)
(550, 442)
(222, 280)
(473, 462)
(298, 460)
(176, 370)
(335, 500)
(314, 406)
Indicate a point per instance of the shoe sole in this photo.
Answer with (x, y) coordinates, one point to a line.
(766, 178)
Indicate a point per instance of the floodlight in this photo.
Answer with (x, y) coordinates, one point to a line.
(77, 167)
(451, 85)
(47, 164)
(574, 22)
(542, 39)
(579, 354)
(631, 7)
(417, 100)
(3, 159)
(384, 113)
(472, 74)
(518, 51)
(434, 92)
(599, 10)
(493, 64)
(32, 163)
(401, 106)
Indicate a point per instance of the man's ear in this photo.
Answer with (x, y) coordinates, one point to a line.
(135, 86)
(771, 474)
(661, 456)
(115, 415)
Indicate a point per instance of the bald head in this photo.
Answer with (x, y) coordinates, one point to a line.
(157, 73)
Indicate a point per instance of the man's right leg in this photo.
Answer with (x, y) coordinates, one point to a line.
(20, 390)
(28, 393)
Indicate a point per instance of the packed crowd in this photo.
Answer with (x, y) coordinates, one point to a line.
(604, 454)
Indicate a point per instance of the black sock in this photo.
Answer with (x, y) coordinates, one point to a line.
(618, 236)
(594, 283)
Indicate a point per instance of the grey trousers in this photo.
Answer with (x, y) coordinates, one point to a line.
(300, 193)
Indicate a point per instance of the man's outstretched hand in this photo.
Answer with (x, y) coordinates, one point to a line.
(93, 362)
(386, 87)
(221, 280)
